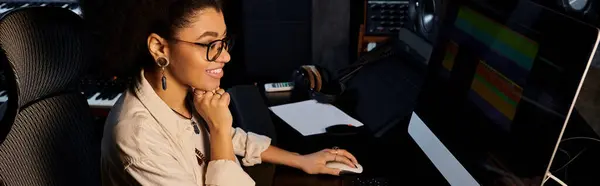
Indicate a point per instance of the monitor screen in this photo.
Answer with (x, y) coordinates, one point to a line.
(587, 106)
(501, 83)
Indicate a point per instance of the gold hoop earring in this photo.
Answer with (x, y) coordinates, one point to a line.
(162, 62)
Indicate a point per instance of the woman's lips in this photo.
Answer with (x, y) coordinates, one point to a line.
(216, 73)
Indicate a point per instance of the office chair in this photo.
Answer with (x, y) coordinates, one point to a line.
(250, 113)
(47, 134)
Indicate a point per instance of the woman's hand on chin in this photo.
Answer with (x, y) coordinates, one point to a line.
(214, 108)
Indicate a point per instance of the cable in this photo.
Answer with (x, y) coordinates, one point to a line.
(580, 152)
(577, 155)
(556, 179)
(580, 137)
(574, 157)
(512, 177)
(566, 153)
(568, 157)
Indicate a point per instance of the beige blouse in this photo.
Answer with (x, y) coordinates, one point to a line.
(146, 143)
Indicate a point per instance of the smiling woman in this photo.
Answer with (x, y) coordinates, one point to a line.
(158, 131)
(199, 46)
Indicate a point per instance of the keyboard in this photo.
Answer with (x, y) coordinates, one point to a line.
(8, 5)
(103, 100)
(364, 181)
(100, 93)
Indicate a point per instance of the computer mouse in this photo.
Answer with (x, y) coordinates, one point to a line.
(342, 129)
(345, 168)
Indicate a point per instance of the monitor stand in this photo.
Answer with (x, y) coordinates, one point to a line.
(438, 154)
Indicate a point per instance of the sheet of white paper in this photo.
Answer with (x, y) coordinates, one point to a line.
(310, 117)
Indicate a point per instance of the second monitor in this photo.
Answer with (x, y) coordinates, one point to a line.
(501, 86)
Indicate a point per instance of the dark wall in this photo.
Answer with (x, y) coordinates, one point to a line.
(330, 33)
(235, 70)
(277, 36)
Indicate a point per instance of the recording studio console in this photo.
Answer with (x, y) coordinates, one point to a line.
(385, 18)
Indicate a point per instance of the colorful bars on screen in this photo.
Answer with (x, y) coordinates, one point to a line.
(450, 55)
(499, 38)
(497, 90)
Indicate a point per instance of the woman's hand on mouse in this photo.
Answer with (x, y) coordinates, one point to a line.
(315, 163)
(213, 106)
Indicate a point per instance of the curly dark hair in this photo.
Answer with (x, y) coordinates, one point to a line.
(121, 28)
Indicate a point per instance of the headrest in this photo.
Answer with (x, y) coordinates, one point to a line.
(44, 47)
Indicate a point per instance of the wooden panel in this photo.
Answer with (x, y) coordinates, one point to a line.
(363, 40)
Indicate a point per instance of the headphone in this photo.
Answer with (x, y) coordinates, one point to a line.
(314, 82)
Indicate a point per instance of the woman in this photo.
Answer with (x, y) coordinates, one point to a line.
(173, 125)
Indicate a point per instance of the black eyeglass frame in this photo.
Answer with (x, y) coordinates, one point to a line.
(227, 44)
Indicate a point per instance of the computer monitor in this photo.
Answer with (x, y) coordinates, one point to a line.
(587, 106)
(501, 84)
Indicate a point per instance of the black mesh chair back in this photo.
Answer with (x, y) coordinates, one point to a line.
(250, 113)
(52, 139)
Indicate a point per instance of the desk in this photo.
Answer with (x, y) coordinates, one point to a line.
(376, 155)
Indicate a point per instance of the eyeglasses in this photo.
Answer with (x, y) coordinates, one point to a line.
(214, 48)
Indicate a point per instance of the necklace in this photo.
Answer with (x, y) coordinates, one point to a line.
(196, 129)
(199, 155)
(182, 114)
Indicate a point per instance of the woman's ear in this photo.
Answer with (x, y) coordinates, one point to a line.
(157, 46)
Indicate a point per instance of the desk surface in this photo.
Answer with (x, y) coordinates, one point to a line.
(376, 155)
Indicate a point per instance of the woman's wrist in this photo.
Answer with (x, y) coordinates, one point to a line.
(297, 161)
(221, 146)
(220, 130)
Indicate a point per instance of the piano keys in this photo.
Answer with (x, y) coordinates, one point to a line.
(98, 99)
(102, 99)
(100, 94)
(8, 5)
